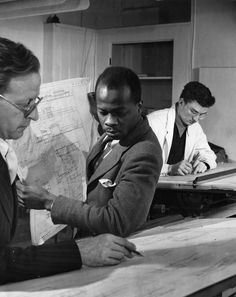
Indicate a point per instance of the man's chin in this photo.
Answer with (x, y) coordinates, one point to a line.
(18, 134)
(188, 123)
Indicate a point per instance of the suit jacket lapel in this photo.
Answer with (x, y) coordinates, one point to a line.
(169, 131)
(113, 158)
(15, 203)
(190, 141)
(6, 198)
(94, 152)
(110, 161)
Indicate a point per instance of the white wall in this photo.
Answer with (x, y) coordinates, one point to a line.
(180, 33)
(28, 31)
(220, 125)
(215, 46)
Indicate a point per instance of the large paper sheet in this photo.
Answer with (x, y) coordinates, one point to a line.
(53, 150)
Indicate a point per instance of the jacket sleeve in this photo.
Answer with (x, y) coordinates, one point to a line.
(129, 203)
(203, 150)
(18, 264)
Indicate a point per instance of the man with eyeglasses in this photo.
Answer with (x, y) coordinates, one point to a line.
(19, 89)
(185, 149)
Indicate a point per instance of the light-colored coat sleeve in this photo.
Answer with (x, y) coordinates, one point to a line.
(162, 123)
(197, 144)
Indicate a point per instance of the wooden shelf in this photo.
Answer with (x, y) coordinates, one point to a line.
(154, 77)
(153, 62)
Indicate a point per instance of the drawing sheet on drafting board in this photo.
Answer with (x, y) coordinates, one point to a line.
(53, 150)
(220, 124)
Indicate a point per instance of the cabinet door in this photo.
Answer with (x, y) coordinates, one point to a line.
(153, 62)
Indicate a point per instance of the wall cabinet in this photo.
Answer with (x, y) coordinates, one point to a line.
(153, 62)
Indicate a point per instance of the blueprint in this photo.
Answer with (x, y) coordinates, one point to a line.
(53, 150)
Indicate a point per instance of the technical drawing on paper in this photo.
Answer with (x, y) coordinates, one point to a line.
(53, 149)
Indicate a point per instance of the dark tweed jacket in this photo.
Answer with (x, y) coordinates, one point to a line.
(133, 168)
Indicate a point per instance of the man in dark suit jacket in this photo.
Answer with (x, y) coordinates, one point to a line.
(19, 89)
(121, 182)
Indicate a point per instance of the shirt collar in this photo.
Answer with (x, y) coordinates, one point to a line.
(113, 142)
(3, 147)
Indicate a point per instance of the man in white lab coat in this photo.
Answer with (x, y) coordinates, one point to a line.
(185, 149)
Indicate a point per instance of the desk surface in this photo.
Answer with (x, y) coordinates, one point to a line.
(223, 183)
(179, 259)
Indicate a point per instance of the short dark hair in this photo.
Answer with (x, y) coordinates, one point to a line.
(15, 60)
(115, 77)
(196, 91)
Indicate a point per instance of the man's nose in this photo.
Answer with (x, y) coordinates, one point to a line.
(34, 115)
(111, 120)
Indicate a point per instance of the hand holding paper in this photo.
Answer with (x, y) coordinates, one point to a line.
(34, 197)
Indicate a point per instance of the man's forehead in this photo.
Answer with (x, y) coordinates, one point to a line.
(103, 90)
(24, 83)
(30, 77)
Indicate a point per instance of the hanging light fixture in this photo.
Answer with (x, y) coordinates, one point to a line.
(23, 8)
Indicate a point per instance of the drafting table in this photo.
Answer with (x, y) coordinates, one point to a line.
(224, 179)
(188, 258)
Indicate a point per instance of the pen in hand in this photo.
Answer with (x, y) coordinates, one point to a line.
(194, 161)
(195, 157)
(135, 252)
(138, 253)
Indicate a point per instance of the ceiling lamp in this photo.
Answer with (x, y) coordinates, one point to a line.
(24, 8)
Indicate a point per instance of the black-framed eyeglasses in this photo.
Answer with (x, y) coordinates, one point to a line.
(27, 109)
(195, 114)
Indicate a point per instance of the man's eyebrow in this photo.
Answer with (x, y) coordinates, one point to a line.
(194, 110)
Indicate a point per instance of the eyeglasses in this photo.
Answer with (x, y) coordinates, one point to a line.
(195, 113)
(27, 109)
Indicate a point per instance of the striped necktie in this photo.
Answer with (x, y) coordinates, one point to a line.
(102, 155)
(105, 147)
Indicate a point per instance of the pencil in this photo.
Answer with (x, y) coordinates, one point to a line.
(136, 253)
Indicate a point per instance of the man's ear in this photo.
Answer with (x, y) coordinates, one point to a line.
(140, 105)
(181, 101)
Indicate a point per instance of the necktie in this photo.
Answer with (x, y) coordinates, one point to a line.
(104, 150)
(102, 155)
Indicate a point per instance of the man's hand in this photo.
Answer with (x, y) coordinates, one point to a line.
(104, 249)
(199, 167)
(34, 197)
(182, 168)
